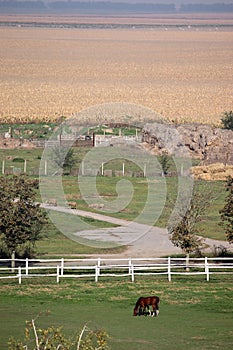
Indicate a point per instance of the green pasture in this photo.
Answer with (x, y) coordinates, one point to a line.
(55, 243)
(194, 314)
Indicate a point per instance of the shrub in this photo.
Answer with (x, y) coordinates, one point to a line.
(18, 160)
(227, 120)
(53, 338)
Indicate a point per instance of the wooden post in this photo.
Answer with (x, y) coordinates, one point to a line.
(169, 269)
(130, 266)
(132, 273)
(144, 171)
(102, 169)
(99, 263)
(45, 167)
(187, 263)
(19, 275)
(26, 267)
(207, 269)
(3, 167)
(13, 261)
(25, 166)
(123, 169)
(58, 274)
(96, 273)
(62, 266)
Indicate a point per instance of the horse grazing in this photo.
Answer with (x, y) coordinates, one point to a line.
(142, 306)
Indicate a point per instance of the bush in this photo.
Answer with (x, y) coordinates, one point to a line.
(227, 120)
(18, 160)
(53, 338)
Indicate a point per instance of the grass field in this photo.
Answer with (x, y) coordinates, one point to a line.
(194, 314)
(182, 74)
(55, 243)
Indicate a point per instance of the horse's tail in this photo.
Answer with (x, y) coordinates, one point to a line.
(157, 306)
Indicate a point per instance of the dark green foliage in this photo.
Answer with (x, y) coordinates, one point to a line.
(165, 163)
(21, 219)
(18, 160)
(227, 120)
(227, 211)
(63, 157)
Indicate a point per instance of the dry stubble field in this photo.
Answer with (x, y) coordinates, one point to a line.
(185, 75)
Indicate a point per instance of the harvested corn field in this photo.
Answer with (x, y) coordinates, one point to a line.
(185, 75)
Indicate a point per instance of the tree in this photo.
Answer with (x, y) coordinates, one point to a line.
(21, 219)
(227, 120)
(165, 163)
(184, 228)
(227, 211)
(63, 157)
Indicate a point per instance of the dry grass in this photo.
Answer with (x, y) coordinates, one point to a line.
(46, 73)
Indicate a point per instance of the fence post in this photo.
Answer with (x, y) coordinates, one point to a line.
(207, 269)
(3, 167)
(96, 273)
(13, 261)
(97, 270)
(58, 273)
(62, 266)
(19, 274)
(99, 263)
(132, 273)
(45, 167)
(26, 267)
(169, 269)
(130, 266)
(25, 166)
(144, 170)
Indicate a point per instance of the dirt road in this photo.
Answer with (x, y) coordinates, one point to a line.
(140, 240)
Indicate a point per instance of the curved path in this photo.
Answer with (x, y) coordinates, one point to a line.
(150, 241)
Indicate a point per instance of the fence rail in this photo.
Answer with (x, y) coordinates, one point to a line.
(105, 267)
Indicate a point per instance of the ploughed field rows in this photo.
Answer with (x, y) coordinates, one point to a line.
(185, 75)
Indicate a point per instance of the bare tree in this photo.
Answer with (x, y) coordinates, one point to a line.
(184, 230)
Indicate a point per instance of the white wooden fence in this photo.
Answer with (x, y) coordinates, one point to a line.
(103, 267)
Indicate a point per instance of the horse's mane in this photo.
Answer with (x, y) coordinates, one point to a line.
(138, 302)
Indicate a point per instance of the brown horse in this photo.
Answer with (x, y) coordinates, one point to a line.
(142, 306)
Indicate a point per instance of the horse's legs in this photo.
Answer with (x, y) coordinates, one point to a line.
(149, 311)
(155, 311)
(140, 311)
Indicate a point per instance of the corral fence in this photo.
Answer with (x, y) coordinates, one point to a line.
(106, 267)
